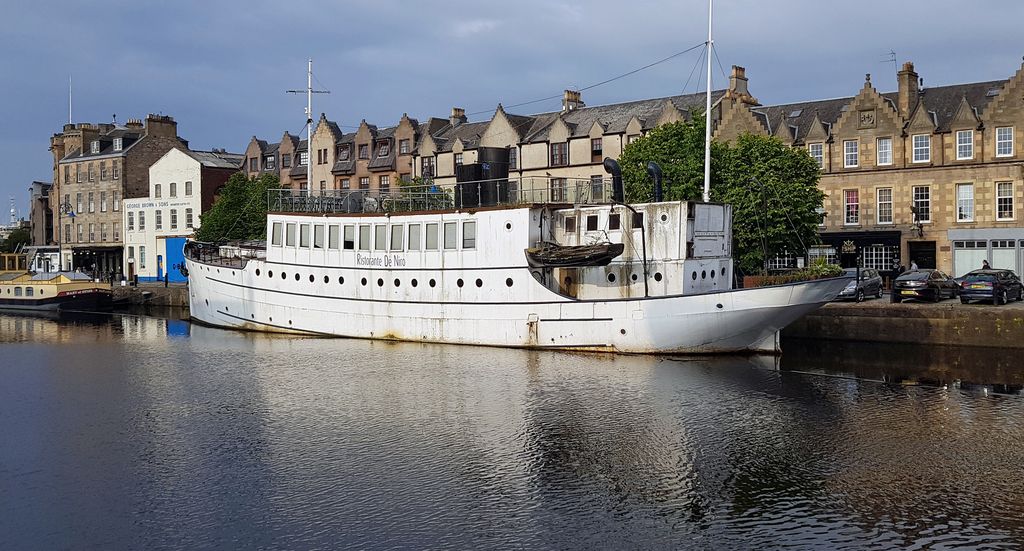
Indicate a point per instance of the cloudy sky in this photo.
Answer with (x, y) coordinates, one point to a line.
(221, 68)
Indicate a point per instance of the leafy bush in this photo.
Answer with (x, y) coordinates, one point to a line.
(819, 270)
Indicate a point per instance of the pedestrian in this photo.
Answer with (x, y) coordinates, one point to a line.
(913, 264)
(985, 265)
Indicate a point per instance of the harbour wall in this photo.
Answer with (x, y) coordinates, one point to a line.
(948, 323)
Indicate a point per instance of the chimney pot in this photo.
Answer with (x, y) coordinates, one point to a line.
(458, 116)
(572, 99)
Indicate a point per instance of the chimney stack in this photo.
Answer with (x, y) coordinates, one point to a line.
(738, 81)
(458, 116)
(161, 125)
(133, 123)
(908, 89)
(572, 99)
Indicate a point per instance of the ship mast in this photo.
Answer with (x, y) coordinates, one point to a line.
(309, 91)
(707, 112)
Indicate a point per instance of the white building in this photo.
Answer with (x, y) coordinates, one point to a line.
(182, 185)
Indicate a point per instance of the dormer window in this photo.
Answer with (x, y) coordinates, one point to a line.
(95, 146)
(364, 151)
(117, 144)
(343, 153)
(383, 148)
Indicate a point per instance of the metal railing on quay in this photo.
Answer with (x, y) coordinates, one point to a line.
(442, 196)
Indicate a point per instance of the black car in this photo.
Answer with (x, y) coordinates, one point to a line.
(931, 285)
(999, 286)
(870, 285)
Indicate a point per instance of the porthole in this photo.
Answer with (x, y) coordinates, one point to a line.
(694, 276)
(397, 283)
(611, 277)
(232, 272)
(712, 274)
(289, 322)
(414, 282)
(479, 283)
(327, 279)
(703, 274)
(226, 309)
(508, 282)
(284, 275)
(657, 276)
(253, 316)
(459, 282)
(257, 271)
(312, 279)
(508, 226)
(218, 270)
(433, 283)
(380, 282)
(41, 291)
(363, 281)
(270, 273)
(271, 318)
(296, 277)
(341, 280)
(633, 277)
(207, 300)
(664, 218)
(622, 331)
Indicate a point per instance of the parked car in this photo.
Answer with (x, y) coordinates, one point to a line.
(999, 286)
(870, 285)
(931, 285)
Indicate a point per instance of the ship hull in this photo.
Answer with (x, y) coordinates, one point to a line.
(743, 320)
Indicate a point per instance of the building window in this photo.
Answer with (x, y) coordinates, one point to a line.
(188, 189)
(80, 234)
(383, 148)
(78, 174)
(513, 158)
(173, 189)
(103, 201)
(558, 188)
(188, 219)
(142, 220)
(596, 148)
(156, 191)
(922, 148)
(923, 203)
(1004, 201)
(92, 233)
(118, 144)
(159, 225)
(458, 159)
(254, 164)
(965, 202)
(364, 182)
(851, 156)
(822, 251)
(343, 153)
(851, 200)
(345, 183)
(103, 171)
(403, 147)
(884, 151)
(78, 203)
(92, 173)
(304, 158)
(384, 183)
(632, 138)
(94, 147)
(877, 257)
(103, 231)
(884, 196)
(559, 154)
(67, 233)
(142, 257)
(1004, 142)
(117, 231)
(364, 151)
(115, 170)
(323, 185)
(269, 162)
(469, 234)
(174, 219)
(92, 202)
(427, 167)
(116, 201)
(131, 220)
(67, 174)
(286, 160)
(596, 188)
(817, 152)
(964, 144)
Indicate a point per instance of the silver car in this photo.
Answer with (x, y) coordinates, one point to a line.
(869, 285)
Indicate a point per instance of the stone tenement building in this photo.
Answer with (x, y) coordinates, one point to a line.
(95, 167)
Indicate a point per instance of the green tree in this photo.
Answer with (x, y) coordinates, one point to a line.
(17, 238)
(771, 187)
(240, 211)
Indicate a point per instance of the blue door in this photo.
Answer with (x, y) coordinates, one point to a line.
(175, 250)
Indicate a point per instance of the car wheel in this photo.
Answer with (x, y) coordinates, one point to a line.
(879, 293)
(895, 299)
(1002, 298)
(938, 295)
(963, 300)
(860, 295)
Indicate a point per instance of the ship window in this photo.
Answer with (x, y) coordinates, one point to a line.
(380, 282)
(469, 235)
(414, 282)
(431, 238)
(30, 291)
(17, 291)
(341, 280)
(363, 281)
(479, 283)
(611, 277)
(270, 273)
(364, 238)
(570, 224)
(289, 235)
(433, 283)
(304, 235)
(459, 282)
(380, 238)
(396, 237)
(275, 235)
(451, 239)
(592, 222)
(614, 222)
(414, 237)
(318, 236)
(284, 275)
(397, 283)
(333, 237)
(657, 276)
(312, 278)
(638, 220)
(327, 279)
(508, 281)
(350, 238)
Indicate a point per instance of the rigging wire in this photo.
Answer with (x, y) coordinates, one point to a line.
(695, 65)
(720, 66)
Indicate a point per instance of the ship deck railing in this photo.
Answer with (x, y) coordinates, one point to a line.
(229, 255)
(405, 197)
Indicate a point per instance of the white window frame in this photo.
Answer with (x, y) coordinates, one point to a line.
(965, 204)
(964, 145)
(928, 199)
(846, 208)
(1008, 142)
(878, 206)
(879, 150)
(1010, 197)
(847, 152)
(818, 156)
(927, 157)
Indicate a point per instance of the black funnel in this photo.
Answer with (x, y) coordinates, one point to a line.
(611, 166)
(655, 171)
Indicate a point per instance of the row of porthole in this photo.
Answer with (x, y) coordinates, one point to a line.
(218, 270)
(634, 277)
(704, 274)
(380, 281)
(253, 316)
(40, 292)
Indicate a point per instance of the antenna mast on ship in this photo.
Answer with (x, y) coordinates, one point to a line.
(707, 113)
(309, 91)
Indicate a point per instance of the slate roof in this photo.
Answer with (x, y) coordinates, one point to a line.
(129, 137)
(468, 132)
(217, 159)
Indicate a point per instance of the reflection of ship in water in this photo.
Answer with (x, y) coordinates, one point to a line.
(987, 369)
(50, 327)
